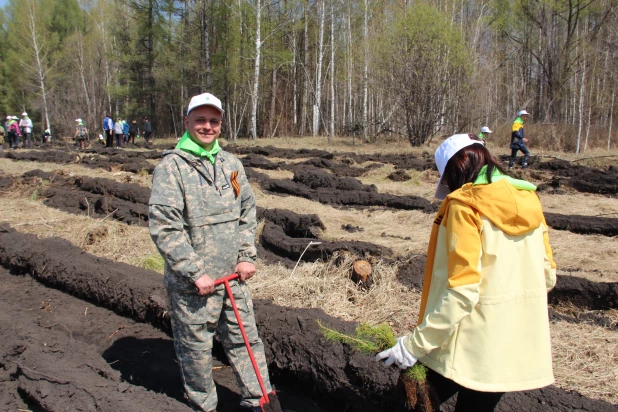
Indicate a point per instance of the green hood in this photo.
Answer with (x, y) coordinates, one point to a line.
(497, 175)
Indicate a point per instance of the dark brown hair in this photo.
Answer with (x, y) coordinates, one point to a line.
(465, 165)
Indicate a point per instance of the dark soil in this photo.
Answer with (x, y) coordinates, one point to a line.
(58, 344)
(585, 293)
(582, 178)
(399, 176)
(293, 224)
(335, 193)
(403, 161)
(586, 225)
(81, 202)
(108, 159)
(52, 156)
(274, 238)
(412, 272)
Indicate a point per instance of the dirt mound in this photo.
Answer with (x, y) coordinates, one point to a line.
(274, 238)
(587, 225)
(412, 272)
(48, 369)
(597, 181)
(80, 202)
(108, 159)
(52, 156)
(319, 179)
(271, 151)
(403, 161)
(293, 224)
(582, 178)
(585, 293)
(127, 191)
(399, 176)
(330, 195)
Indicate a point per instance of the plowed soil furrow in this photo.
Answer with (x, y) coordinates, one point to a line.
(296, 350)
(54, 358)
(586, 225)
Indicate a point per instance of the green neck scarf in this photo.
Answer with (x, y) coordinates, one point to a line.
(519, 120)
(188, 145)
(481, 136)
(496, 175)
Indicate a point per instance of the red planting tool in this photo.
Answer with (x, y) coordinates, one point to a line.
(268, 401)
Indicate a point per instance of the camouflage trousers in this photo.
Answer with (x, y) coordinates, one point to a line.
(195, 320)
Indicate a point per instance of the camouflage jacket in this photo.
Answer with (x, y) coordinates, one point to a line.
(202, 217)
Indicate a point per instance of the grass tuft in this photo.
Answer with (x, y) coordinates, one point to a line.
(153, 262)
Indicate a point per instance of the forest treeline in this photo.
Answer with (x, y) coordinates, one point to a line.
(366, 68)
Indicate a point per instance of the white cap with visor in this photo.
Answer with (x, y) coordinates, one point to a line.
(205, 99)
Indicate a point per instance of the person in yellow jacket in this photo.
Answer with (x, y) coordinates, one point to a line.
(483, 326)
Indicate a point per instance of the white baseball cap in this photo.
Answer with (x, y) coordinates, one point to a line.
(9, 117)
(205, 99)
(485, 129)
(24, 114)
(15, 118)
(522, 112)
(443, 154)
(78, 120)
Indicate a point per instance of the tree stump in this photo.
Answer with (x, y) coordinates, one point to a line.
(361, 271)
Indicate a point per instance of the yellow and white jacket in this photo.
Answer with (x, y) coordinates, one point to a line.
(483, 321)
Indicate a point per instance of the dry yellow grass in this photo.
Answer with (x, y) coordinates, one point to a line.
(586, 359)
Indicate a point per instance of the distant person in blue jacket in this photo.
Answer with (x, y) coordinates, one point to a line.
(108, 127)
(125, 130)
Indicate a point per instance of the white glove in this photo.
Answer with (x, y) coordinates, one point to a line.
(398, 355)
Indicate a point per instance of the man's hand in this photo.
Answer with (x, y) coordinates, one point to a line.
(525, 140)
(246, 270)
(205, 285)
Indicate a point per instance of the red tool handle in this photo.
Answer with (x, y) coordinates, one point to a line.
(226, 280)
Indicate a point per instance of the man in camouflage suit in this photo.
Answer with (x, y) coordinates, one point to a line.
(203, 220)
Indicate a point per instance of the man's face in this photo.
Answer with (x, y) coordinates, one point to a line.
(204, 125)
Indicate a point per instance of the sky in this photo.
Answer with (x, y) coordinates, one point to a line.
(3, 2)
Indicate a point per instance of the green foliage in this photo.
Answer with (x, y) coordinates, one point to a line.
(360, 343)
(381, 334)
(418, 373)
(368, 339)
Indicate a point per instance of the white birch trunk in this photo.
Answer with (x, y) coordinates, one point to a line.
(39, 57)
(611, 118)
(365, 69)
(318, 75)
(256, 70)
(332, 69)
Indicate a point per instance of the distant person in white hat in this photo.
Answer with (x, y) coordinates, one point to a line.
(81, 134)
(13, 131)
(518, 140)
(25, 124)
(483, 326)
(483, 134)
(202, 216)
